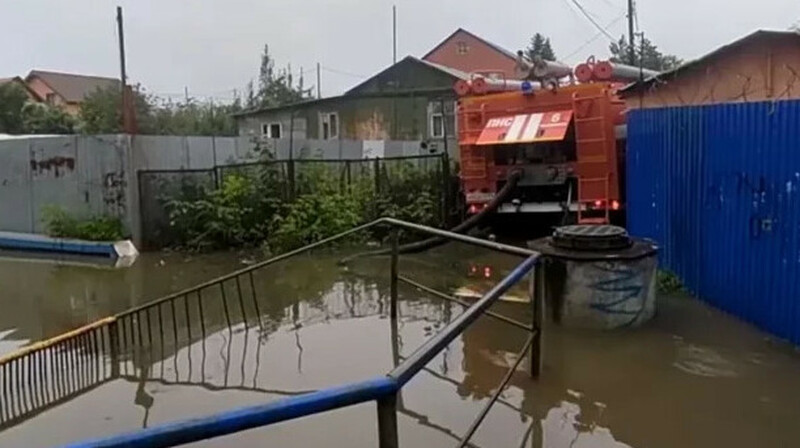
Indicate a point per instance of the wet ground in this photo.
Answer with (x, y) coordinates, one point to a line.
(693, 377)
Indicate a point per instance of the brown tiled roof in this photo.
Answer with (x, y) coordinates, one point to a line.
(73, 88)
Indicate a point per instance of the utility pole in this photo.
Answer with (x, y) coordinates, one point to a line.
(319, 83)
(394, 34)
(186, 94)
(123, 73)
(631, 37)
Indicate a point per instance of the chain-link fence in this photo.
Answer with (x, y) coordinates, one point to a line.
(419, 185)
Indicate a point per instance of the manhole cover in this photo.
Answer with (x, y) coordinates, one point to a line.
(591, 237)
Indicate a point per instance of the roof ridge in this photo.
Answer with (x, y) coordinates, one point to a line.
(494, 46)
(53, 72)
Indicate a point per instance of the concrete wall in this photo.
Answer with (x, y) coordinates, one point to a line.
(760, 69)
(85, 175)
(97, 175)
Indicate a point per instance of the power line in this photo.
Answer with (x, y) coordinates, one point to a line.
(591, 19)
(593, 38)
(341, 72)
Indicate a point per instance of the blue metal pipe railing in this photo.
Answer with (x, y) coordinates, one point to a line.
(414, 363)
(179, 433)
(383, 389)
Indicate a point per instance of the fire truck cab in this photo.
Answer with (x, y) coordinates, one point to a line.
(563, 140)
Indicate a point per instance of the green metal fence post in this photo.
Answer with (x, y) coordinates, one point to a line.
(377, 169)
(446, 187)
(348, 174)
(290, 173)
(394, 267)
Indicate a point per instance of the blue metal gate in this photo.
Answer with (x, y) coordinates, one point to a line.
(719, 188)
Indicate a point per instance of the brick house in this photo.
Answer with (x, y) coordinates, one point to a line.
(470, 53)
(66, 90)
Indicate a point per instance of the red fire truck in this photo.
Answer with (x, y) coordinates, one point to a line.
(566, 141)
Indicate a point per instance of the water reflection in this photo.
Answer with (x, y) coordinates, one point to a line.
(309, 324)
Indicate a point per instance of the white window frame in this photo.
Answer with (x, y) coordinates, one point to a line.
(266, 129)
(325, 119)
(433, 129)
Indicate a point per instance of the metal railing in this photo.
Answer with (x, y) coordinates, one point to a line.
(42, 364)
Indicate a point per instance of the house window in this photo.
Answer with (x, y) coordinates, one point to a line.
(272, 130)
(462, 48)
(50, 98)
(437, 125)
(329, 126)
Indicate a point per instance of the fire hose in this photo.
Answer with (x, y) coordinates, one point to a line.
(472, 221)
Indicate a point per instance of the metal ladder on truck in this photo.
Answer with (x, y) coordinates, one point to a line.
(593, 157)
(473, 161)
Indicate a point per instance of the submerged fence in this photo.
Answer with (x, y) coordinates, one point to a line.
(78, 361)
(396, 180)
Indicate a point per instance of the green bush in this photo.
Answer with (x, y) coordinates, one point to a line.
(311, 218)
(251, 208)
(668, 282)
(61, 224)
(236, 214)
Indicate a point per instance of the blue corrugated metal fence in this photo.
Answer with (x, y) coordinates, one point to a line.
(719, 188)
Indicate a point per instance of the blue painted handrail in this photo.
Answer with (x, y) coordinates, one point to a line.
(194, 430)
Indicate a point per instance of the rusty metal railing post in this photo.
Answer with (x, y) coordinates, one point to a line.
(394, 280)
(537, 296)
(387, 422)
(113, 348)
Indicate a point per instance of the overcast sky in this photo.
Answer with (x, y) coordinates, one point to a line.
(212, 47)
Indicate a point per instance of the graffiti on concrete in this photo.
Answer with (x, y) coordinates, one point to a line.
(114, 187)
(618, 290)
(57, 165)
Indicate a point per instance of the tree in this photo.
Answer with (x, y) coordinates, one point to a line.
(101, 114)
(20, 116)
(540, 48)
(40, 118)
(101, 111)
(645, 53)
(12, 100)
(277, 88)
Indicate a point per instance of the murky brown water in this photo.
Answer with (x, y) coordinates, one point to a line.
(693, 377)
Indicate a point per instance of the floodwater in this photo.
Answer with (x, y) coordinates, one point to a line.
(693, 377)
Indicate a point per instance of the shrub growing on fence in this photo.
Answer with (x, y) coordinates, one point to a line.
(252, 206)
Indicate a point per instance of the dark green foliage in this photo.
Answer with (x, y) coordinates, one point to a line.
(645, 53)
(540, 48)
(411, 194)
(12, 99)
(40, 118)
(20, 116)
(668, 282)
(59, 223)
(101, 114)
(236, 214)
(256, 206)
